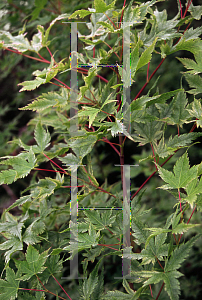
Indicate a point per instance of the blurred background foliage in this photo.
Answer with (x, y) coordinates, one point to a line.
(16, 16)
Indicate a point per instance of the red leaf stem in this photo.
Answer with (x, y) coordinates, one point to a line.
(49, 170)
(148, 71)
(180, 200)
(69, 186)
(124, 4)
(55, 163)
(112, 233)
(141, 90)
(57, 84)
(99, 76)
(47, 291)
(180, 9)
(160, 291)
(35, 58)
(111, 49)
(44, 60)
(50, 54)
(191, 215)
(87, 174)
(151, 176)
(175, 238)
(62, 288)
(151, 290)
(188, 4)
(111, 21)
(97, 187)
(32, 290)
(143, 184)
(188, 221)
(111, 144)
(108, 246)
(62, 83)
(154, 155)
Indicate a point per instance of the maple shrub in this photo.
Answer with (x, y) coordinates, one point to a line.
(74, 127)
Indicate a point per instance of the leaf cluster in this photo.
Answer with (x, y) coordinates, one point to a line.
(69, 126)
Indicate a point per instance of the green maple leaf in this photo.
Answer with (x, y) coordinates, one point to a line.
(194, 81)
(100, 221)
(32, 84)
(44, 34)
(149, 132)
(90, 284)
(180, 254)
(19, 202)
(12, 225)
(14, 244)
(132, 14)
(31, 235)
(81, 13)
(108, 27)
(161, 28)
(82, 145)
(182, 175)
(10, 286)
(19, 42)
(33, 264)
(42, 77)
(146, 55)
(85, 240)
(13, 231)
(26, 296)
(42, 137)
(172, 285)
(53, 264)
(47, 100)
(193, 189)
(90, 112)
(195, 67)
(179, 113)
(101, 6)
(196, 11)
(118, 127)
(196, 111)
(22, 164)
(174, 143)
(117, 295)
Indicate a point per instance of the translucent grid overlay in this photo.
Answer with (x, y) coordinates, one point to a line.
(126, 78)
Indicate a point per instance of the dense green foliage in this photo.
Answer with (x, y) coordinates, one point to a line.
(40, 157)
